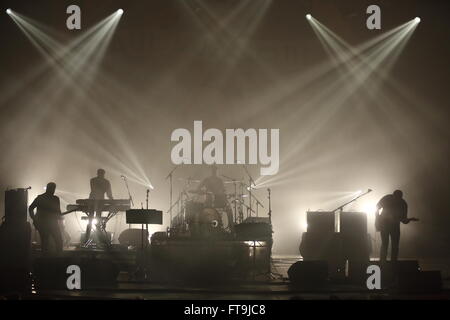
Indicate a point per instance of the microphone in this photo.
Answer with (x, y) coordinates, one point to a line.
(369, 190)
(29, 188)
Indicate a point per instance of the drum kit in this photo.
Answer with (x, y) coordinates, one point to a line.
(203, 214)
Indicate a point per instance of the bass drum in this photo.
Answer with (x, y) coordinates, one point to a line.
(206, 224)
(211, 217)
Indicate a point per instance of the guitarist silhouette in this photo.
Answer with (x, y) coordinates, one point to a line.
(45, 219)
(394, 210)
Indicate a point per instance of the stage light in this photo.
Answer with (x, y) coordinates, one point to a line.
(120, 11)
(308, 16)
(8, 11)
(417, 20)
(369, 208)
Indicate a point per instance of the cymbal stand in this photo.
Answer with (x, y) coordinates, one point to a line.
(129, 193)
(271, 275)
(258, 203)
(170, 177)
(251, 183)
(235, 196)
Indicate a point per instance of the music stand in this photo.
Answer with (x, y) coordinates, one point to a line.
(143, 217)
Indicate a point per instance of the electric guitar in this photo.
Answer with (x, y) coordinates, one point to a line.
(69, 211)
(381, 220)
(37, 224)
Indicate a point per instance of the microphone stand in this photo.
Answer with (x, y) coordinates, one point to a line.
(128, 189)
(129, 193)
(170, 177)
(269, 273)
(339, 210)
(146, 206)
(251, 181)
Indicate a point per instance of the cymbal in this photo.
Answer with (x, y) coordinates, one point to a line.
(189, 180)
(231, 195)
(199, 192)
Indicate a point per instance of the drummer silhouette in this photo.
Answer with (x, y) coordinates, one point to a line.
(216, 196)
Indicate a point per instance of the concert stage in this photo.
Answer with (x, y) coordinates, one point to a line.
(225, 149)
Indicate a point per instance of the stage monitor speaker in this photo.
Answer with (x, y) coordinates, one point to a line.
(16, 205)
(134, 237)
(308, 274)
(392, 271)
(406, 266)
(353, 223)
(320, 222)
(420, 282)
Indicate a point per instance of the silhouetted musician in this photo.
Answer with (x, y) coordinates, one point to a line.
(394, 210)
(99, 187)
(214, 185)
(46, 218)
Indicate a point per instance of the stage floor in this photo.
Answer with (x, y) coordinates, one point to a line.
(276, 289)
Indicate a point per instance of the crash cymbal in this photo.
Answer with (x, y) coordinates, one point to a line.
(199, 192)
(189, 180)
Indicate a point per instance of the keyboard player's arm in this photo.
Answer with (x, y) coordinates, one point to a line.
(109, 191)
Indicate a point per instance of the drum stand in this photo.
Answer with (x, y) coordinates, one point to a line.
(271, 275)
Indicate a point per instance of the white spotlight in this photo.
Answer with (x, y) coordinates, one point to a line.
(417, 19)
(120, 11)
(308, 16)
(8, 11)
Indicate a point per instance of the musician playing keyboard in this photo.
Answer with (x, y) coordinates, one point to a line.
(99, 187)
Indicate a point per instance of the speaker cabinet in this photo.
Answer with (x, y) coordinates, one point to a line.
(353, 223)
(320, 222)
(16, 205)
(421, 282)
(308, 274)
(15, 253)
